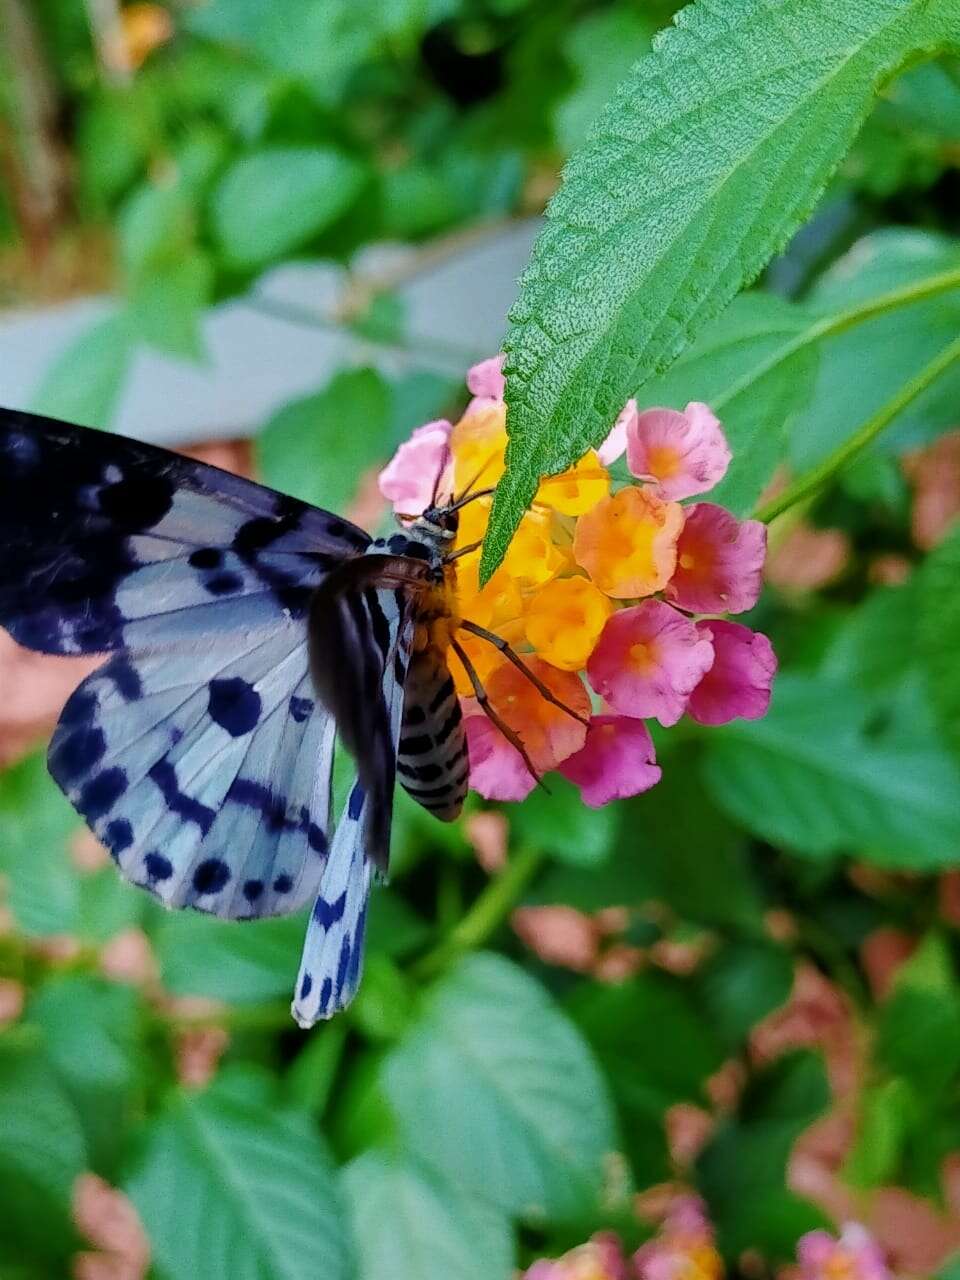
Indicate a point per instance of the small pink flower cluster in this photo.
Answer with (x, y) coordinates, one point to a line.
(615, 582)
(855, 1255)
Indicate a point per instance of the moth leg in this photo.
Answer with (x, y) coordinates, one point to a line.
(512, 656)
(483, 698)
(463, 551)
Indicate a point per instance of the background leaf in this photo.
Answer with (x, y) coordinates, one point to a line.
(621, 279)
(256, 1199)
(409, 1226)
(938, 601)
(494, 1089)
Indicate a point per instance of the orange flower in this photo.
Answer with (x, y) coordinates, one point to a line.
(576, 490)
(549, 734)
(478, 442)
(564, 621)
(628, 542)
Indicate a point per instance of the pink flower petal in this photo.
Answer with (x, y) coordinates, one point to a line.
(497, 770)
(617, 760)
(615, 445)
(687, 453)
(739, 682)
(648, 660)
(487, 384)
(856, 1254)
(719, 561)
(410, 478)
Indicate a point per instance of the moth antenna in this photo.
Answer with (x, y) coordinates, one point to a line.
(511, 655)
(483, 699)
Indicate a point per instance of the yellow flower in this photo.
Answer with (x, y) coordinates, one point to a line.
(576, 490)
(628, 543)
(477, 443)
(564, 621)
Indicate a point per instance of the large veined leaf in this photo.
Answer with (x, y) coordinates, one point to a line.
(410, 1226)
(496, 1090)
(36, 825)
(939, 601)
(712, 152)
(257, 960)
(809, 775)
(226, 1189)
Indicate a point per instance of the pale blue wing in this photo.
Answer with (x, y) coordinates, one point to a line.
(112, 544)
(332, 957)
(206, 774)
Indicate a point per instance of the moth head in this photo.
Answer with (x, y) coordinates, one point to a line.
(443, 522)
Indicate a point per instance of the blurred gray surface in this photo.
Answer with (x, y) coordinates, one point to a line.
(455, 297)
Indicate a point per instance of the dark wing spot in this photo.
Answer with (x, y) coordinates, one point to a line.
(206, 558)
(234, 705)
(357, 798)
(328, 913)
(78, 753)
(306, 986)
(139, 502)
(211, 876)
(252, 889)
(165, 776)
(282, 884)
(118, 835)
(223, 584)
(326, 991)
(158, 867)
(80, 709)
(101, 793)
(300, 708)
(126, 679)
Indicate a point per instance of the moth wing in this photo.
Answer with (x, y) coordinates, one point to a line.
(112, 544)
(207, 775)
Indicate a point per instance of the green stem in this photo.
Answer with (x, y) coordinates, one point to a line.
(487, 913)
(832, 325)
(807, 486)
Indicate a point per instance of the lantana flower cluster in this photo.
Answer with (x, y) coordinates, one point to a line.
(611, 592)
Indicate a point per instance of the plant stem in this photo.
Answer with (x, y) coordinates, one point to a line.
(489, 911)
(840, 321)
(807, 486)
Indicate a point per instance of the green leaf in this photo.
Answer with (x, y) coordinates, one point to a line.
(90, 1037)
(710, 155)
(318, 448)
(224, 960)
(656, 1049)
(918, 1034)
(494, 1089)
(272, 202)
(742, 1173)
(156, 227)
(741, 984)
(409, 1226)
(748, 367)
(908, 339)
(168, 305)
(562, 825)
(885, 1115)
(938, 599)
(36, 825)
(41, 1153)
(239, 1192)
(83, 383)
(809, 776)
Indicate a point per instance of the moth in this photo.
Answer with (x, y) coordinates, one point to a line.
(245, 630)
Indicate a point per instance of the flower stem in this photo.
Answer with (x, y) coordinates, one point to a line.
(838, 322)
(807, 486)
(488, 912)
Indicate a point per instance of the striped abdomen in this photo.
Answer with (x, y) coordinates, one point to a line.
(432, 762)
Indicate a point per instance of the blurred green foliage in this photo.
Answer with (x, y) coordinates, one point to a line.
(479, 1105)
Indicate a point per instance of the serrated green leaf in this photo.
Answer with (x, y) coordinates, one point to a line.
(318, 448)
(938, 599)
(808, 775)
(41, 1153)
(273, 201)
(410, 1226)
(711, 153)
(36, 825)
(495, 1090)
(237, 1192)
